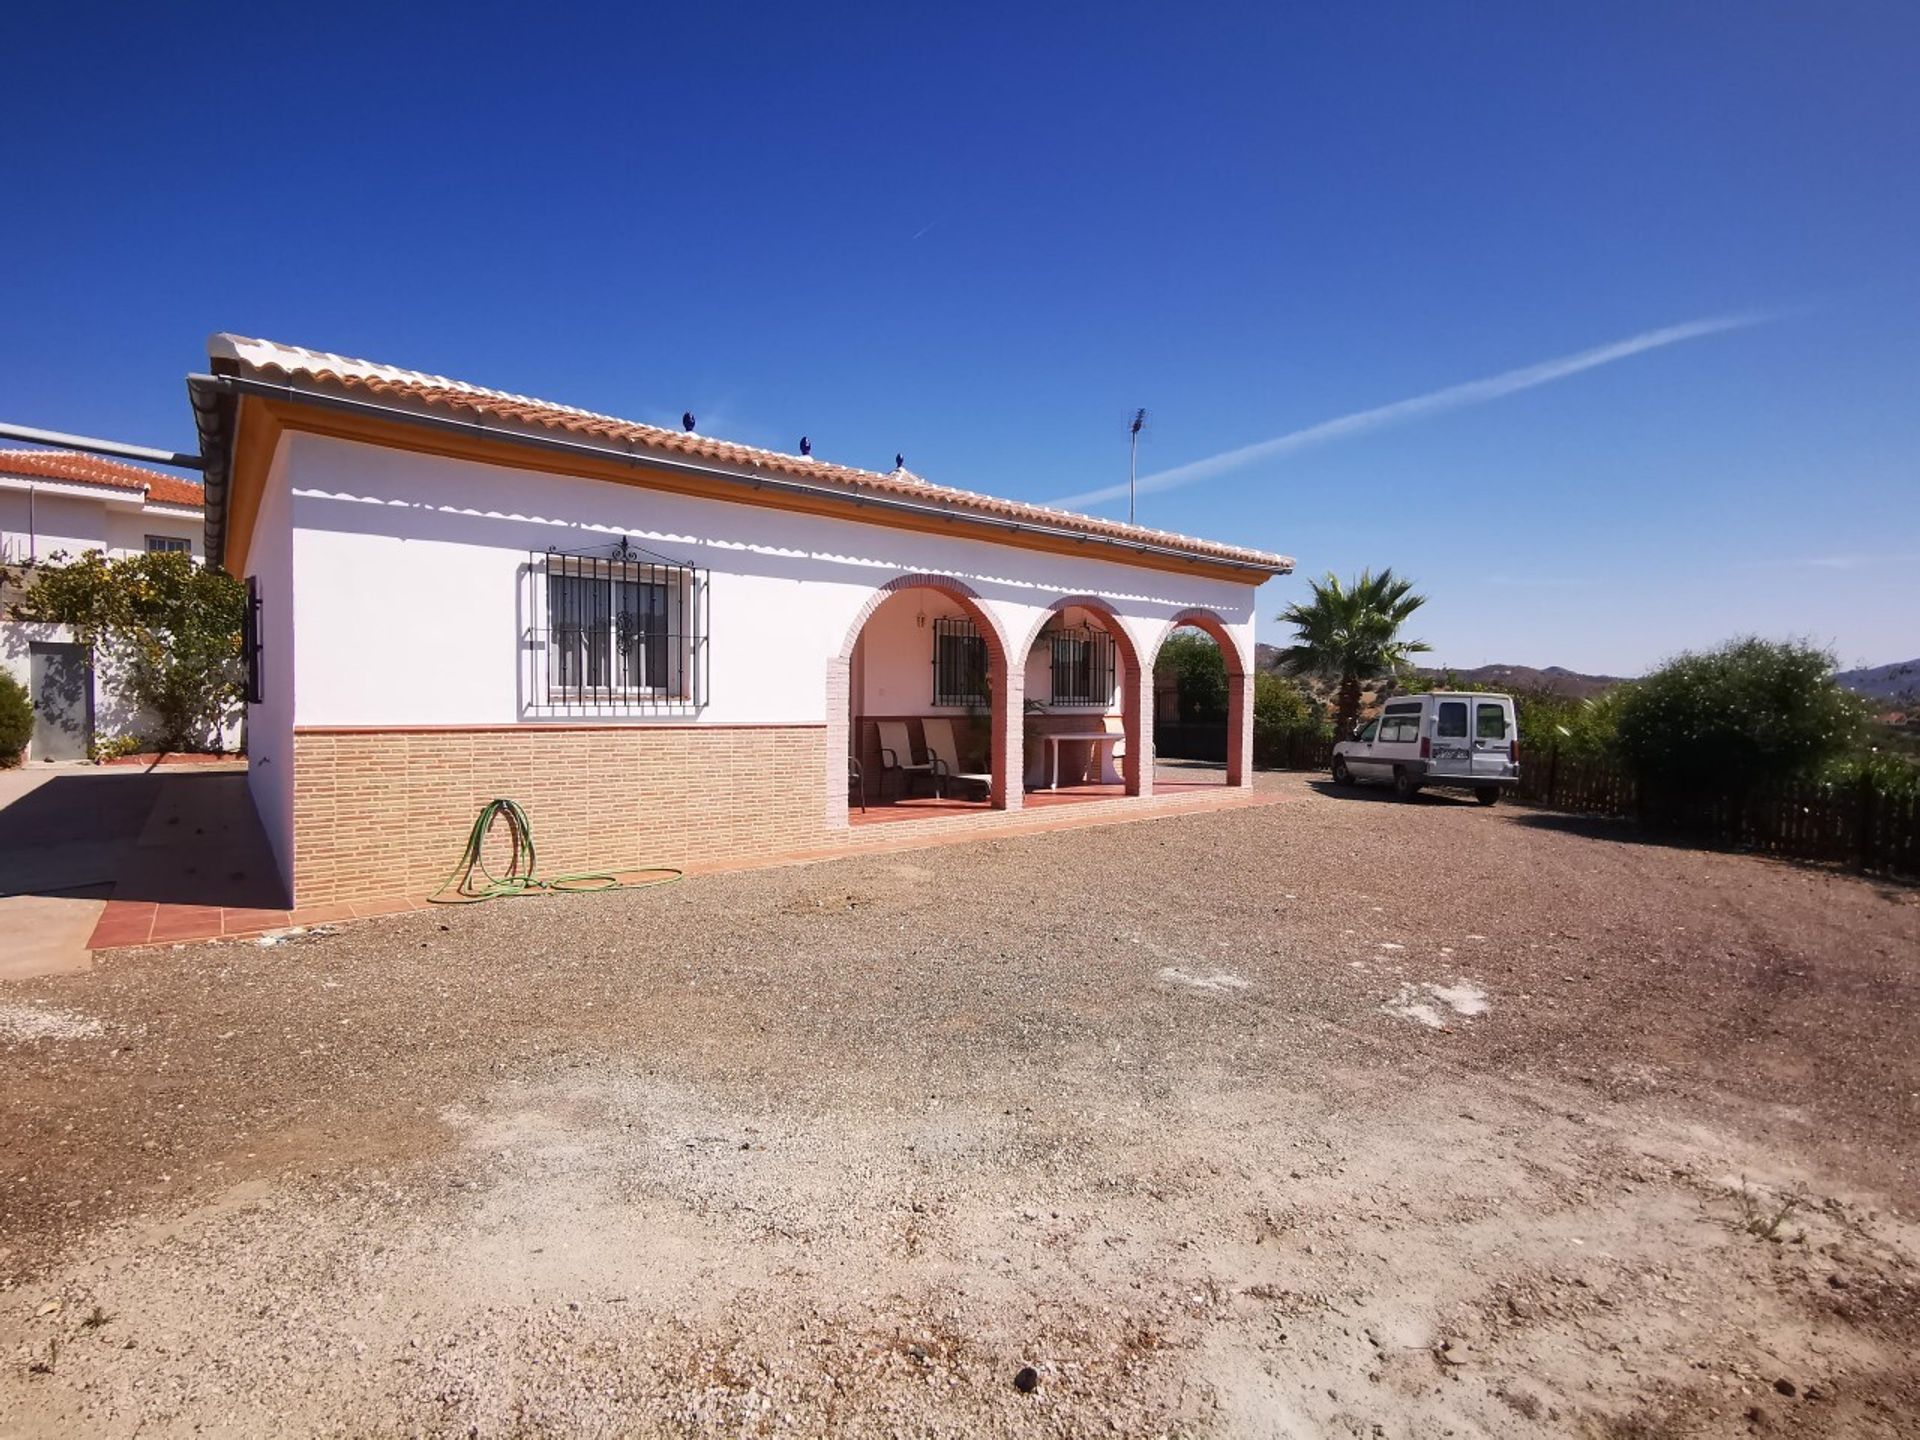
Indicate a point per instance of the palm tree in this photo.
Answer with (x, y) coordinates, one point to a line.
(1351, 634)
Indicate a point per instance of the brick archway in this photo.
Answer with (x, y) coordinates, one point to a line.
(1007, 681)
(1135, 681)
(1239, 687)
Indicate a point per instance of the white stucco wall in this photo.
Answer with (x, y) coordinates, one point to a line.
(127, 531)
(17, 638)
(270, 723)
(896, 657)
(51, 520)
(406, 572)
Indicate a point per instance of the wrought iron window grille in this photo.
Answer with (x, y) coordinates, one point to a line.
(959, 662)
(250, 643)
(615, 630)
(1080, 663)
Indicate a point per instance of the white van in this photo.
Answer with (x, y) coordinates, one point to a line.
(1448, 739)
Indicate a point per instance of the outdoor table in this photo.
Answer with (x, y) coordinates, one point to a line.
(1095, 738)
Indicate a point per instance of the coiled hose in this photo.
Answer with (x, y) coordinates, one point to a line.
(471, 882)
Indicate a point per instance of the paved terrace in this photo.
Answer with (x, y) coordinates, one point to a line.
(103, 858)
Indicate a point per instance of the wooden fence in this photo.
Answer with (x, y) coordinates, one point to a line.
(1850, 824)
(1198, 741)
(1293, 751)
(1855, 823)
(1208, 741)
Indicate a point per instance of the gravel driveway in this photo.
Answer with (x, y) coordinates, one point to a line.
(1340, 1116)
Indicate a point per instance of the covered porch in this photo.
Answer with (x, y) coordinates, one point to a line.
(946, 716)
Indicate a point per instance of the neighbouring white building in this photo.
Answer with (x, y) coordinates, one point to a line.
(670, 648)
(56, 503)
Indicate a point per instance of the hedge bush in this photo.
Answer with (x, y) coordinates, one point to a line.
(1751, 712)
(16, 720)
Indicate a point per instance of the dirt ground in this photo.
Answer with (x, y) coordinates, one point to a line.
(1340, 1116)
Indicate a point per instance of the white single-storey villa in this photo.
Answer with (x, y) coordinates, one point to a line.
(669, 648)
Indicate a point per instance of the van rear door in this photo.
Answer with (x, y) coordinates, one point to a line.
(1492, 736)
(1452, 752)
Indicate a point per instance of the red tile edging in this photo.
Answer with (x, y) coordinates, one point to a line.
(128, 923)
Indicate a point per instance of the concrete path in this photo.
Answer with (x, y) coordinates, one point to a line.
(75, 836)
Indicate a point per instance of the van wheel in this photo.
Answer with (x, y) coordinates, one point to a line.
(1341, 775)
(1404, 785)
(1488, 794)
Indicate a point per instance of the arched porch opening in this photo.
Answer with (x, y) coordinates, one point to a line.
(917, 705)
(1084, 677)
(1231, 744)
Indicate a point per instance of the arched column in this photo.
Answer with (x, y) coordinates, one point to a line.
(1239, 688)
(1007, 682)
(1135, 684)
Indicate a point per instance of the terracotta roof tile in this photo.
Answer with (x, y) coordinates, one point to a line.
(79, 469)
(270, 361)
(169, 490)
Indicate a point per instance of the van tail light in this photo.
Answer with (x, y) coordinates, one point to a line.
(1426, 747)
(1511, 756)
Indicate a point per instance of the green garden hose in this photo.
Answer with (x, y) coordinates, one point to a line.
(520, 879)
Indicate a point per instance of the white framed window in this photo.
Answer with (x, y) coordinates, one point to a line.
(609, 633)
(169, 545)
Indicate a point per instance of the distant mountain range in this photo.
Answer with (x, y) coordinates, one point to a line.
(1554, 678)
(1877, 682)
(1883, 682)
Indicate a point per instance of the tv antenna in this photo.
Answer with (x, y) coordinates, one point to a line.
(1133, 457)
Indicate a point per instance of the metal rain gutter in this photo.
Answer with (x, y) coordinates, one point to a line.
(214, 408)
(240, 384)
(102, 447)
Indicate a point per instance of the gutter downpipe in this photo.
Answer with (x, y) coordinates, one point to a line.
(244, 385)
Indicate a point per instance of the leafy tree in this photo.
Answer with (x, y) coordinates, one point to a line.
(172, 627)
(1350, 634)
(16, 720)
(1281, 709)
(1748, 713)
(1198, 671)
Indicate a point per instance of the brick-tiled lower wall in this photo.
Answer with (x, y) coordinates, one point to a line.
(384, 812)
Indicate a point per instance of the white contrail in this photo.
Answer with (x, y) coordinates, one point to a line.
(1454, 397)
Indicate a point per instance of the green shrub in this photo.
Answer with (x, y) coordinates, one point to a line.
(1198, 672)
(16, 720)
(1752, 712)
(1281, 711)
(1587, 728)
(1889, 774)
(171, 626)
(113, 747)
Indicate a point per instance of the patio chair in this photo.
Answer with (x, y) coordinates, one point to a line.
(946, 755)
(896, 758)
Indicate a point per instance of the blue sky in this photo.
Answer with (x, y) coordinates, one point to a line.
(982, 238)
